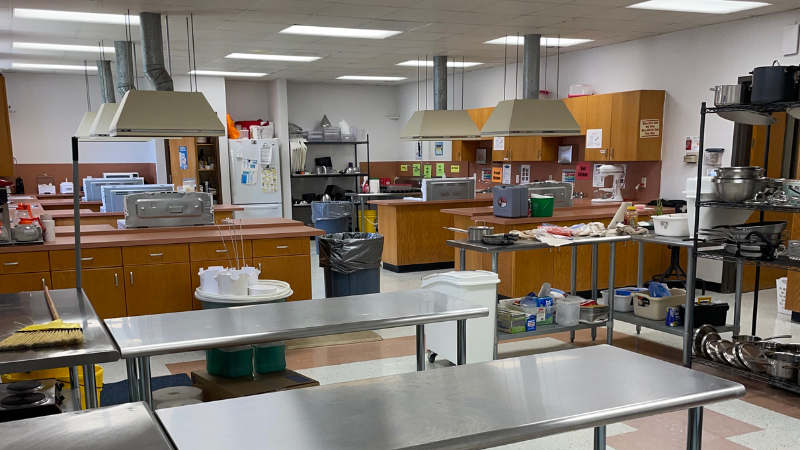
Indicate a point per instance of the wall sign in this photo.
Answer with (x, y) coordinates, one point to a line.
(427, 171)
(403, 167)
(506, 173)
(568, 175)
(184, 157)
(439, 149)
(499, 143)
(583, 171)
(416, 170)
(455, 168)
(439, 169)
(649, 128)
(497, 174)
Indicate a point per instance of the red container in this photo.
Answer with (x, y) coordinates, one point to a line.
(385, 181)
(246, 124)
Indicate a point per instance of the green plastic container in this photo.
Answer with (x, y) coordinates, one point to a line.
(542, 206)
(270, 357)
(230, 362)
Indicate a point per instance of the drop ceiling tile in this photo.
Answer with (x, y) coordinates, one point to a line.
(347, 10)
(269, 17)
(331, 21)
(417, 15)
(479, 36)
(232, 4)
(423, 36)
(533, 21)
(670, 16)
(478, 19)
(249, 26)
(398, 25)
(290, 6)
(616, 3)
(572, 10)
(608, 25)
(452, 5)
(625, 14)
(514, 7)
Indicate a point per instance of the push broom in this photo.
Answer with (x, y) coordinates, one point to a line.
(53, 334)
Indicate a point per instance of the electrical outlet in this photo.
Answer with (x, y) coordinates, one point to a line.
(644, 182)
(549, 177)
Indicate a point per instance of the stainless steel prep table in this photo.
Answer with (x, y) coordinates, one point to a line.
(27, 308)
(362, 199)
(141, 337)
(475, 406)
(131, 426)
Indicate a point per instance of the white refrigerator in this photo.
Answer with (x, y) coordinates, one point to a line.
(255, 178)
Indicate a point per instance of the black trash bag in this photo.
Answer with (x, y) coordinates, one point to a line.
(348, 252)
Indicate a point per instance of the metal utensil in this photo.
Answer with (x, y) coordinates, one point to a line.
(737, 190)
(500, 239)
(790, 348)
(783, 365)
(712, 350)
(721, 347)
(731, 94)
(699, 334)
(474, 233)
(752, 339)
(731, 359)
(751, 356)
(748, 117)
(740, 172)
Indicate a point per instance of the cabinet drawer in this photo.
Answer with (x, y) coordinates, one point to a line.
(295, 270)
(24, 262)
(22, 282)
(90, 258)
(216, 251)
(155, 254)
(281, 247)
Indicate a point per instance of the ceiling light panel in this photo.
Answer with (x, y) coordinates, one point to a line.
(61, 47)
(415, 63)
(72, 16)
(215, 73)
(699, 6)
(359, 33)
(370, 78)
(31, 66)
(545, 41)
(287, 58)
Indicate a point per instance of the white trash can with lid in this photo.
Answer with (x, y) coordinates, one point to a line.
(475, 286)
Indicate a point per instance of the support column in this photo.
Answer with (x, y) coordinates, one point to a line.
(532, 53)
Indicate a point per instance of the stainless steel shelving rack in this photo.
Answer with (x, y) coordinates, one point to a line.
(781, 262)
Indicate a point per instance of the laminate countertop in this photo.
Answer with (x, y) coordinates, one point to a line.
(38, 207)
(479, 198)
(576, 212)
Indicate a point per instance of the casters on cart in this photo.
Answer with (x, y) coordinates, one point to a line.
(638, 329)
(432, 356)
(572, 336)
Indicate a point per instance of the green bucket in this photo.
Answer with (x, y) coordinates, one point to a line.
(542, 206)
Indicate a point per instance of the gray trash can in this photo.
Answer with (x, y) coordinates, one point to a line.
(351, 262)
(331, 217)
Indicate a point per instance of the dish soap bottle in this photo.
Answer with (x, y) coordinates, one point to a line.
(631, 217)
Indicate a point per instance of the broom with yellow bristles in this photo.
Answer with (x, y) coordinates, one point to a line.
(53, 334)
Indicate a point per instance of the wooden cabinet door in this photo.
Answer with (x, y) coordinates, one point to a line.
(295, 270)
(105, 288)
(562, 266)
(480, 115)
(175, 172)
(6, 153)
(598, 116)
(21, 282)
(531, 269)
(578, 106)
(158, 289)
(628, 110)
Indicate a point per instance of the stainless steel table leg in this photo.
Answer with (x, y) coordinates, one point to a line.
(573, 275)
(90, 386)
(362, 215)
(75, 385)
(145, 389)
(737, 304)
(462, 260)
(638, 329)
(594, 271)
(461, 342)
(420, 347)
(600, 438)
(694, 434)
(494, 262)
(640, 266)
(133, 380)
(688, 321)
(611, 266)
(572, 336)
(594, 333)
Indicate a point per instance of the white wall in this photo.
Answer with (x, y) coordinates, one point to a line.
(247, 100)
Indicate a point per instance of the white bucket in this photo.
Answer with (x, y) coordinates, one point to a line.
(252, 275)
(207, 281)
(232, 282)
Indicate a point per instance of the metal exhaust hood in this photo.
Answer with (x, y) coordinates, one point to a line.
(165, 114)
(440, 124)
(86, 125)
(99, 130)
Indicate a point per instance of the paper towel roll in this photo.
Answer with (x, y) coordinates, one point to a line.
(174, 393)
(50, 230)
(174, 403)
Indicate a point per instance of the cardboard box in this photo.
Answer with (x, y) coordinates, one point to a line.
(512, 322)
(219, 388)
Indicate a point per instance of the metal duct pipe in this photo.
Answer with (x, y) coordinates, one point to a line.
(440, 82)
(153, 52)
(124, 54)
(106, 81)
(531, 55)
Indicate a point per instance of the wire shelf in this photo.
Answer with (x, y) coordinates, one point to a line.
(752, 206)
(761, 377)
(768, 108)
(782, 262)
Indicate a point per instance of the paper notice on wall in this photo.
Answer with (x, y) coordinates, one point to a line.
(439, 169)
(249, 174)
(497, 174)
(506, 173)
(693, 143)
(486, 174)
(438, 149)
(266, 155)
(499, 143)
(583, 171)
(594, 138)
(568, 175)
(269, 179)
(237, 148)
(455, 168)
(183, 155)
(649, 128)
(427, 171)
(416, 170)
(403, 167)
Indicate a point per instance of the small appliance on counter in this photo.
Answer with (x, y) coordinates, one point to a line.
(448, 189)
(30, 398)
(46, 184)
(168, 209)
(615, 191)
(120, 174)
(559, 190)
(510, 201)
(23, 228)
(66, 187)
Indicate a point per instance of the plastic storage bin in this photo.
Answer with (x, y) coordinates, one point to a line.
(708, 314)
(542, 206)
(270, 357)
(710, 217)
(580, 90)
(230, 362)
(623, 298)
(510, 201)
(476, 286)
(568, 311)
(655, 308)
(62, 375)
(675, 225)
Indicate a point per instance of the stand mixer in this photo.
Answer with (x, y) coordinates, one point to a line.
(617, 172)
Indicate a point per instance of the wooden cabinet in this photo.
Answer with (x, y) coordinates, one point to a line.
(24, 262)
(6, 152)
(562, 266)
(468, 150)
(295, 270)
(578, 107)
(217, 251)
(90, 258)
(621, 116)
(104, 287)
(155, 254)
(527, 148)
(480, 115)
(21, 282)
(281, 247)
(157, 288)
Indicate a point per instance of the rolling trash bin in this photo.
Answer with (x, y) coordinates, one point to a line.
(331, 217)
(351, 262)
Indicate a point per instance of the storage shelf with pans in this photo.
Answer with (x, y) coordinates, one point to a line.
(752, 206)
(335, 142)
(767, 108)
(761, 377)
(330, 175)
(782, 262)
(660, 325)
(546, 329)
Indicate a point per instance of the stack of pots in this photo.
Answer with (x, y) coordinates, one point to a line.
(770, 84)
(739, 184)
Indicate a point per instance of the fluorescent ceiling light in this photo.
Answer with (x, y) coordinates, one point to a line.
(24, 66)
(215, 73)
(289, 58)
(699, 6)
(71, 16)
(545, 42)
(449, 63)
(340, 32)
(369, 78)
(61, 47)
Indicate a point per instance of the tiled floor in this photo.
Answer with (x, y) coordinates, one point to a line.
(766, 419)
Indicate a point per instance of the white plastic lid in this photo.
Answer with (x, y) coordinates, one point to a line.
(462, 278)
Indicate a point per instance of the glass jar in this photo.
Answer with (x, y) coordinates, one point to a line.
(631, 217)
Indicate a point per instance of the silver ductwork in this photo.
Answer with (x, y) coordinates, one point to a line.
(153, 52)
(106, 81)
(124, 61)
(440, 82)
(532, 54)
